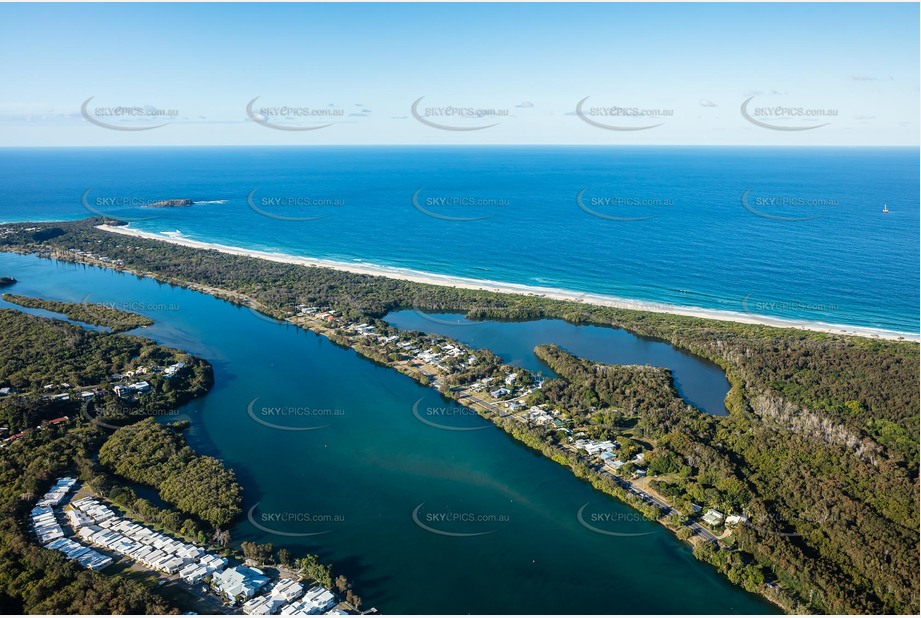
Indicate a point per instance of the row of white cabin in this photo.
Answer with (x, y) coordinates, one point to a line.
(46, 525)
(51, 535)
(56, 494)
(99, 525)
(194, 572)
(44, 521)
(85, 557)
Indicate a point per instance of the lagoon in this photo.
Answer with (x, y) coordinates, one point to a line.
(700, 382)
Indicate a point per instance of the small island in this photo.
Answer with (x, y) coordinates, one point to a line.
(6, 281)
(171, 203)
(109, 317)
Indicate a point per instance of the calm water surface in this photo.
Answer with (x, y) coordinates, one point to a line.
(375, 489)
(702, 383)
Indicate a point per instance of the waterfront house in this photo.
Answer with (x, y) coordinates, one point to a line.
(287, 589)
(240, 581)
(321, 598)
(317, 600)
(172, 370)
(283, 592)
(593, 448)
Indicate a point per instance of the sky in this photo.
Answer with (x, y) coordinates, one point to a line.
(318, 74)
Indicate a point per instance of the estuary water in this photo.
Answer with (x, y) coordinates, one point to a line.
(424, 520)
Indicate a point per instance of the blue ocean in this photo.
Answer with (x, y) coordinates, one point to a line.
(827, 235)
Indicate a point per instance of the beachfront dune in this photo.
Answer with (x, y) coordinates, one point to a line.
(514, 288)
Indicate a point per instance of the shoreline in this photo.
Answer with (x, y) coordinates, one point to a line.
(521, 289)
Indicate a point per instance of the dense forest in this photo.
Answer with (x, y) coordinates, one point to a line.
(38, 352)
(824, 520)
(34, 579)
(607, 397)
(157, 455)
(107, 459)
(821, 440)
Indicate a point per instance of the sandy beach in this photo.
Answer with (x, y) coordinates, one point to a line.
(512, 288)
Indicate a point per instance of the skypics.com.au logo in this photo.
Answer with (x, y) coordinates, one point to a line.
(622, 117)
(127, 117)
(293, 523)
(458, 117)
(458, 523)
(786, 117)
(291, 418)
(296, 117)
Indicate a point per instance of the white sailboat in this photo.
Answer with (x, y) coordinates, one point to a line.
(885, 208)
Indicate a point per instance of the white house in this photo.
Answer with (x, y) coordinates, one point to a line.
(733, 520)
(141, 387)
(713, 517)
(193, 573)
(239, 581)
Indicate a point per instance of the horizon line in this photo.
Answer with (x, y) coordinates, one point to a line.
(484, 145)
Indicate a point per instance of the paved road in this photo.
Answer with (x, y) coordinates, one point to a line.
(466, 395)
(664, 506)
